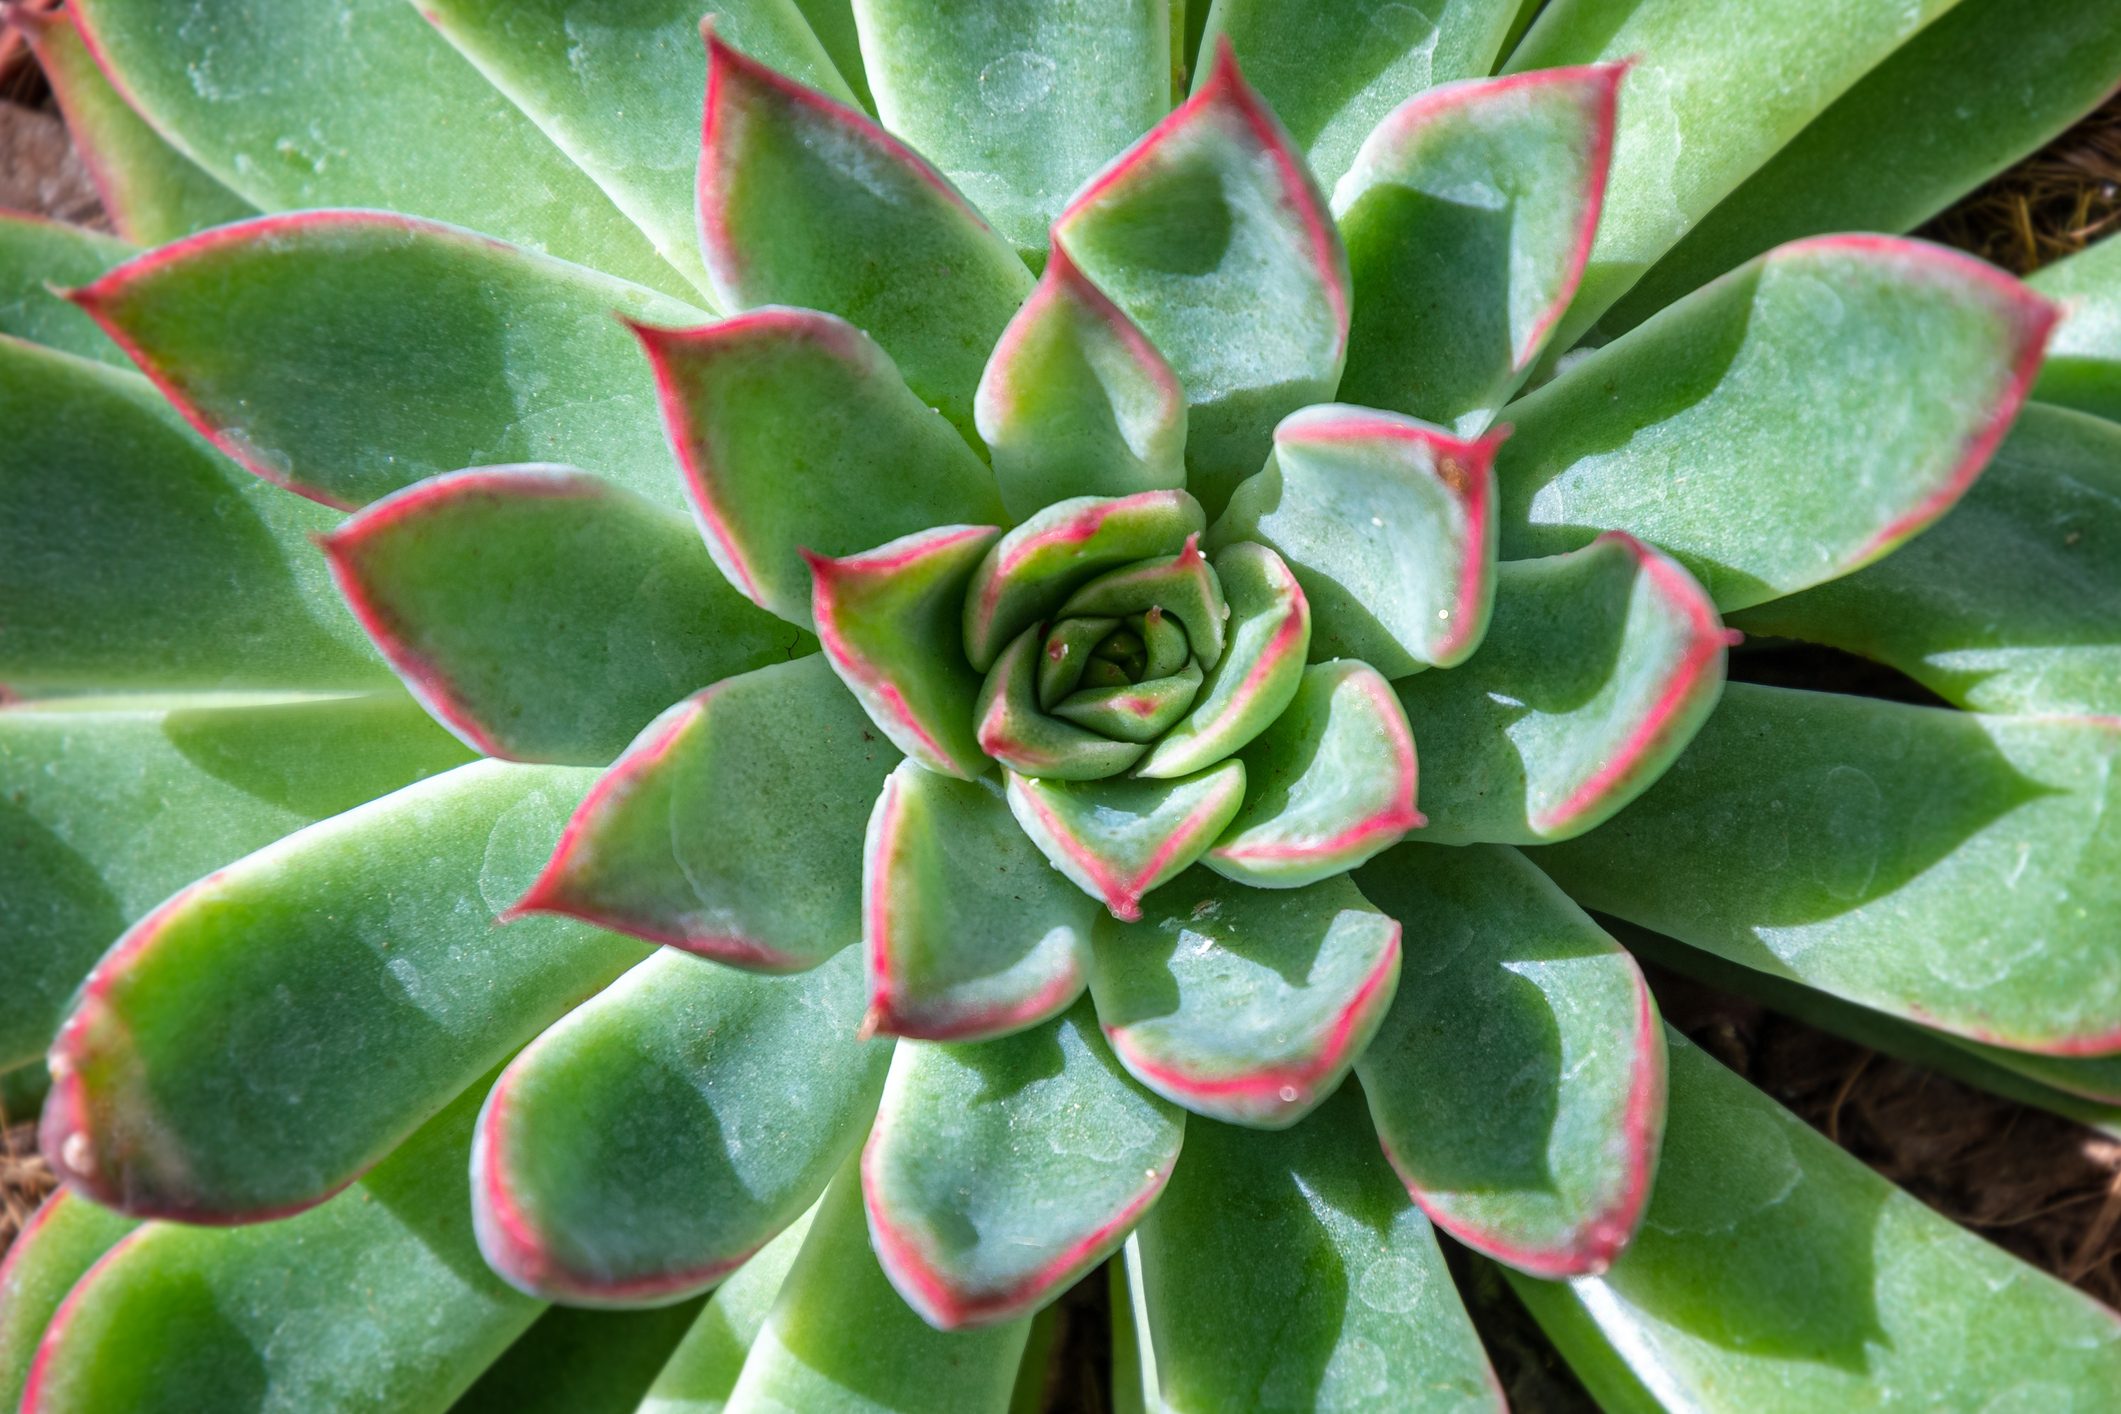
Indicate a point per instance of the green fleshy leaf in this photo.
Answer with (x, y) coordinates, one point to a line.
(1330, 784)
(1468, 217)
(2007, 604)
(498, 593)
(618, 88)
(1076, 401)
(1389, 526)
(1348, 1304)
(1068, 654)
(893, 624)
(1001, 1171)
(805, 201)
(581, 1362)
(1211, 234)
(346, 355)
(106, 808)
(1250, 684)
(1183, 586)
(1245, 1005)
(54, 1249)
(796, 433)
(1781, 1273)
(1031, 571)
(37, 255)
(152, 192)
(1332, 73)
(1935, 865)
(2083, 368)
(1598, 669)
(376, 1300)
(832, 21)
(703, 1370)
(1021, 101)
(1717, 88)
(132, 557)
(357, 104)
(350, 970)
(733, 826)
(1014, 731)
(1118, 839)
(1980, 88)
(968, 932)
(1137, 712)
(1518, 1082)
(648, 1144)
(840, 1338)
(1818, 407)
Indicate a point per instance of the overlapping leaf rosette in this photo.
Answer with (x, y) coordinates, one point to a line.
(1006, 840)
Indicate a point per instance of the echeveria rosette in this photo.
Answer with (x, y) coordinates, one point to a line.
(1022, 773)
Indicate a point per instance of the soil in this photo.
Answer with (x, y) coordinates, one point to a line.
(2042, 1187)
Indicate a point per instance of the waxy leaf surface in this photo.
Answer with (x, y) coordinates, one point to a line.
(1245, 1005)
(1211, 234)
(703, 1370)
(1948, 868)
(649, 1143)
(354, 970)
(1779, 1272)
(1014, 730)
(576, 1361)
(35, 255)
(1518, 1081)
(733, 826)
(348, 354)
(51, 1251)
(1256, 675)
(357, 103)
(1598, 668)
(2083, 368)
(1468, 218)
(1118, 839)
(967, 930)
(806, 201)
(1000, 1171)
(1349, 1304)
(1792, 422)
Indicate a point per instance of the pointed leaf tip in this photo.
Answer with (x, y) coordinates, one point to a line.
(1118, 839)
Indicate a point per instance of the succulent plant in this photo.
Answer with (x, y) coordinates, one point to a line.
(949, 557)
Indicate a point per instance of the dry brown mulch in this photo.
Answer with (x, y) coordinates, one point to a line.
(24, 1179)
(2053, 204)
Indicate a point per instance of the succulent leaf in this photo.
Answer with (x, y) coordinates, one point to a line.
(1245, 1005)
(574, 68)
(454, 578)
(234, 85)
(1598, 668)
(1255, 678)
(2083, 368)
(1385, 1325)
(376, 1299)
(106, 809)
(368, 934)
(1518, 1081)
(1075, 400)
(348, 354)
(1389, 526)
(1211, 234)
(38, 256)
(796, 433)
(151, 192)
(1330, 784)
(1118, 839)
(646, 1145)
(805, 201)
(573, 1360)
(703, 1370)
(133, 558)
(1910, 859)
(1183, 587)
(1133, 711)
(1331, 73)
(892, 623)
(969, 933)
(1000, 1172)
(2008, 603)
(1016, 731)
(732, 827)
(54, 1249)
(1972, 93)
(1468, 217)
(1018, 102)
(1820, 405)
(840, 1338)
(1780, 1272)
